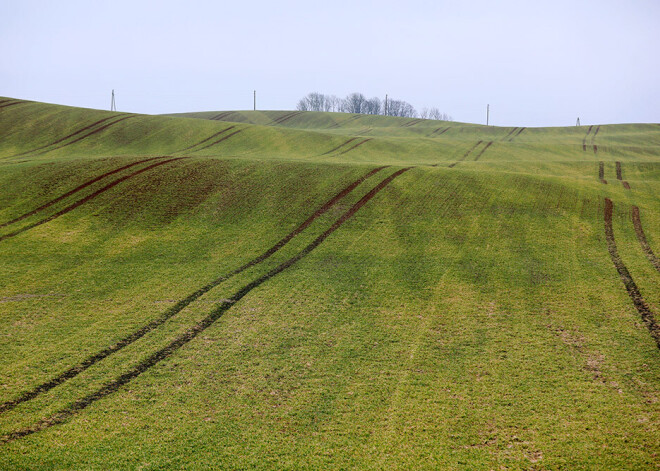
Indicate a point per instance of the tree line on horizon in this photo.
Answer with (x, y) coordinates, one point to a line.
(358, 103)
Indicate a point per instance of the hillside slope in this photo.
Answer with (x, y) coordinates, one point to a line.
(296, 292)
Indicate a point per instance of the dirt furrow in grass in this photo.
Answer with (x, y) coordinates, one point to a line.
(340, 146)
(182, 304)
(520, 131)
(629, 283)
(601, 172)
(190, 334)
(619, 176)
(352, 118)
(355, 146)
(466, 154)
(87, 198)
(80, 138)
(222, 116)
(641, 236)
(490, 143)
(7, 105)
(593, 140)
(206, 140)
(69, 136)
(509, 134)
(411, 123)
(76, 190)
(222, 139)
(584, 139)
(287, 118)
(444, 130)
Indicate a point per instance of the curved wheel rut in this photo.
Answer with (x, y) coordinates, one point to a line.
(141, 332)
(112, 386)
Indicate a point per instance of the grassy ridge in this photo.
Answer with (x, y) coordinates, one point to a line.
(466, 317)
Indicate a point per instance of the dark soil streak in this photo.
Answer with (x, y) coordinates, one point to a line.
(601, 172)
(510, 132)
(411, 123)
(352, 118)
(584, 139)
(629, 283)
(593, 140)
(114, 385)
(466, 154)
(85, 199)
(286, 118)
(182, 304)
(340, 146)
(641, 236)
(75, 190)
(356, 145)
(619, 176)
(95, 131)
(7, 105)
(223, 115)
(483, 150)
(626, 185)
(439, 133)
(207, 139)
(224, 138)
(66, 137)
(517, 134)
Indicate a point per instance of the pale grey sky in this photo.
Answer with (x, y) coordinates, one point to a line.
(538, 63)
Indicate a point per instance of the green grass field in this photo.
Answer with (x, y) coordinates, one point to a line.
(289, 290)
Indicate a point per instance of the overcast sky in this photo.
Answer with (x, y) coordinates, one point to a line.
(537, 63)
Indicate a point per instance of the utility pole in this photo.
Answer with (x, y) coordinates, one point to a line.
(386, 104)
(255, 100)
(487, 114)
(113, 105)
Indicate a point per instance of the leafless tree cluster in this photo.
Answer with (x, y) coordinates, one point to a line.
(358, 103)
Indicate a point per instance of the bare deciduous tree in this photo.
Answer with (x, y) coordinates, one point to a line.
(358, 103)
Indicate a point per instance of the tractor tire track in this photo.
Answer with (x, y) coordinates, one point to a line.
(584, 139)
(84, 200)
(73, 134)
(412, 123)
(438, 133)
(629, 283)
(452, 165)
(182, 304)
(95, 131)
(490, 143)
(112, 386)
(619, 176)
(284, 116)
(352, 118)
(75, 190)
(7, 105)
(287, 118)
(222, 116)
(355, 146)
(340, 146)
(601, 173)
(593, 140)
(222, 139)
(641, 236)
(510, 133)
(206, 140)
(517, 134)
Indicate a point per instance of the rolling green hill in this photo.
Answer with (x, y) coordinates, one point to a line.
(322, 290)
